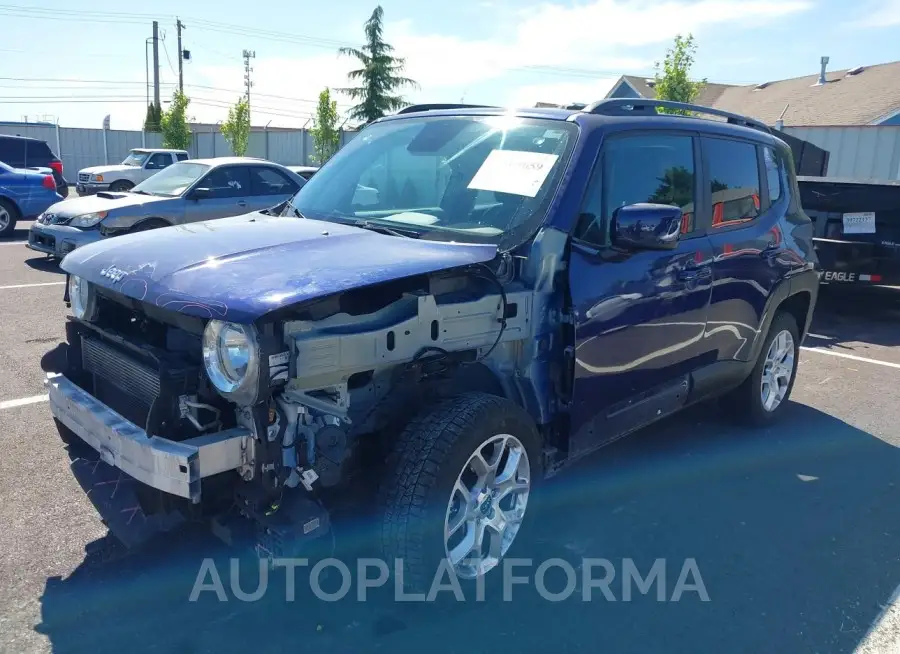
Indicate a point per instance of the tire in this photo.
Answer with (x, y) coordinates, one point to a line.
(63, 190)
(746, 402)
(9, 215)
(419, 486)
(153, 223)
(121, 185)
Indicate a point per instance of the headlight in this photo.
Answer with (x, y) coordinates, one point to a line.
(97, 178)
(88, 219)
(82, 298)
(231, 358)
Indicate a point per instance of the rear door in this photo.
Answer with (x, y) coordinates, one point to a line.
(228, 190)
(639, 316)
(747, 241)
(268, 187)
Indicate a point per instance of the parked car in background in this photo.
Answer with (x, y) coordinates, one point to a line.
(522, 295)
(365, 196)
(24, 194)
(140, 164)
(185, 192)
(26, 152)
(304, 171)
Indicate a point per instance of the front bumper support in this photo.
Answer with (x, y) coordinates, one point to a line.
(170, 466)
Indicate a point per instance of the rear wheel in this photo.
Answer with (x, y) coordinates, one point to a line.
(457, 488)
(764, 394)
(9, 214)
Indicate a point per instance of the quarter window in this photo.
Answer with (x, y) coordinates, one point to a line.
(773, 173)
(734, 181)
(653, 168)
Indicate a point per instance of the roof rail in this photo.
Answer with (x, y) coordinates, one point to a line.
(632, 106)
(413, 108)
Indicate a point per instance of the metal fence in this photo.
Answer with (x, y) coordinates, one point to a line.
(865, 152)
(82, 147)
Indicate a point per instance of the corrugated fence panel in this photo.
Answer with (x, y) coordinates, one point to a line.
(83, 147)
(859, 152)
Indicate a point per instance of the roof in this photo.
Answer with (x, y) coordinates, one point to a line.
(846, 99)
(221, 161)
(643, 85)
(21, 138)
(157, 150)
(848, 180)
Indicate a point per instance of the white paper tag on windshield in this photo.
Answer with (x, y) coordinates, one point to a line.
(859, 223)
(513, 171)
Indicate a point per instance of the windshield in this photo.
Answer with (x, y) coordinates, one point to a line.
(464, 178)
(136, 158)
(172, 181)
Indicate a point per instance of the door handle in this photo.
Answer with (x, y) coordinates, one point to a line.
(241, 203)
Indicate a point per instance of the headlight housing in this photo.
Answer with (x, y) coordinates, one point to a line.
(97, 178)
(88, 219)
(231, 358)
(82, 298)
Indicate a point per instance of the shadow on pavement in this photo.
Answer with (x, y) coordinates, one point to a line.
(45, 264)
(794, 531)
(854, 314)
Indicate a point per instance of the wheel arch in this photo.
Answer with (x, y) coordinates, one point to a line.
(14, 204)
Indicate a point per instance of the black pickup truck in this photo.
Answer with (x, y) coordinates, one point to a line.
(857, 228)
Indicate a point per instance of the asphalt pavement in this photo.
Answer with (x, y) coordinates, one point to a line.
(793, 531)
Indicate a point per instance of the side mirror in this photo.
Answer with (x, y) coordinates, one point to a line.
(646, 226)
(201, 193)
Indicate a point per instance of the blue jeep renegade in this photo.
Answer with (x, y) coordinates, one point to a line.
(514, 289)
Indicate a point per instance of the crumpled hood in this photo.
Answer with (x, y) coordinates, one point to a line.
(102, 170)
(104, 201)
(241, 268)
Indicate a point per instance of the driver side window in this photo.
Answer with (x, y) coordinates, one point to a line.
(227, 182)
(159, 161)
(654, 168)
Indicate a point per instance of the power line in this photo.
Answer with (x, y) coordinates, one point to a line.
(295, 39)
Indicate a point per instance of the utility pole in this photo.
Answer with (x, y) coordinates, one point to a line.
(156, 63)
(248, 55)
(179, 26)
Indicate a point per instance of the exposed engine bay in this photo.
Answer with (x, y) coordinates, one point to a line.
(334, 379)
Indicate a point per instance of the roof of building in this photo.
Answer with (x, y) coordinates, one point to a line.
(858, 96)
(643, 85)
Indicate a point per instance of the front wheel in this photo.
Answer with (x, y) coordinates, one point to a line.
(457, 488)
(764, 394)
(120, 186)
(9, 215)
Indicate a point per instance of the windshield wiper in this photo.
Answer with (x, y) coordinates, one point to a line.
(384, 229)
(141, 192)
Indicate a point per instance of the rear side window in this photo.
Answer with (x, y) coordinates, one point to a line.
(182, 156)
(12, 152)
(268, 181)
(653, 168)
(734, 181)
(774, 167)
(39, 150)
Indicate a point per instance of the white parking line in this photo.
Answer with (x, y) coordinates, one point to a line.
(22, 401)
(13, 242)
(852, 357)
(5, 288)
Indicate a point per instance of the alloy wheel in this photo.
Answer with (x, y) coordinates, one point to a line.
(778, 368)
(487, 505)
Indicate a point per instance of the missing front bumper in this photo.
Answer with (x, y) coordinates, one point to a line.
(169, 466)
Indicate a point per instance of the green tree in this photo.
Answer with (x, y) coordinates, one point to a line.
(326, 137)
(173, 123)
(673, 80)
(236, 129)
(379, 77)
(151, 122)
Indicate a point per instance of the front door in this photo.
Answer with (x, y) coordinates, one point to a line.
(228, 189)
(640, 316)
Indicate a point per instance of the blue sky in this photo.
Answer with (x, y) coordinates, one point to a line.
(513, 52)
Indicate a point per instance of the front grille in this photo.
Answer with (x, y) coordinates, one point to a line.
(84, 177)
(121, 371)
